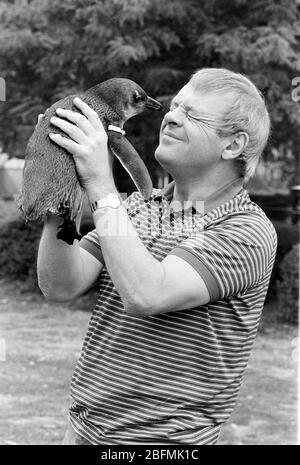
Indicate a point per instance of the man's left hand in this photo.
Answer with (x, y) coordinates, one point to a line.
(87, 144)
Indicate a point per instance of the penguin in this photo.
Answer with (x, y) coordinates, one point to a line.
(50, 183)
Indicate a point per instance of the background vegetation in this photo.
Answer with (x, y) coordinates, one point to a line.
(50, 49)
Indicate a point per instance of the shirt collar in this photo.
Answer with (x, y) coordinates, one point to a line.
(217, 198)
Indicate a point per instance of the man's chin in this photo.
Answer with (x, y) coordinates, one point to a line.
(162, 156)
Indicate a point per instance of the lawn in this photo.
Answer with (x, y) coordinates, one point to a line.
(43, 341)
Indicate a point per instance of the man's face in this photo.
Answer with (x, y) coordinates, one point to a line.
(188, 142)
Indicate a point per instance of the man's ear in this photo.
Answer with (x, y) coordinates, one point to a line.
(236, 146)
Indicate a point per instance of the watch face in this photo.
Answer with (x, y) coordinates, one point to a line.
(114, 200)
(111, 200)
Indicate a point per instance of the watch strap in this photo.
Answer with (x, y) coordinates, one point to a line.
(111, 200)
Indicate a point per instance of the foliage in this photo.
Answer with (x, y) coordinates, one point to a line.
(288, 237)
(288, 287)
(50, 49)
(18, 252)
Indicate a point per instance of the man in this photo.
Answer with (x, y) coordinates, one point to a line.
(182, 277)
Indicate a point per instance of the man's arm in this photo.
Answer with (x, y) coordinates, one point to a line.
(64, 271)
(146, 285)
(235, 256)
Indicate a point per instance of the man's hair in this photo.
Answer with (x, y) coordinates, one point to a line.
(246, 112)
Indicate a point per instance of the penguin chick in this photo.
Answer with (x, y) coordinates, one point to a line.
(50, 183)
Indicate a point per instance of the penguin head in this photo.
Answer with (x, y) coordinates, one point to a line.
(126, 97)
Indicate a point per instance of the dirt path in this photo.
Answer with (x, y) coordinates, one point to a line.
(43, 342)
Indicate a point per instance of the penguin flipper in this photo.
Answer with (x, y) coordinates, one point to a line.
(132, 162)
(68, 231)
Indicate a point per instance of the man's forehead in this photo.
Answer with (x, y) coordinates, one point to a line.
(195, 99)
(186, 93)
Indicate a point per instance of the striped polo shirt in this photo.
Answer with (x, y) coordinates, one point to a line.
(173, 378)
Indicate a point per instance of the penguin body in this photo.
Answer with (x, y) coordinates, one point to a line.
(50, 183)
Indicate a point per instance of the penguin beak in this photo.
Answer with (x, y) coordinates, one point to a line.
(153, 104)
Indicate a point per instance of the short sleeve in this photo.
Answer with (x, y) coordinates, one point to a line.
(90, 242)
(233, 255)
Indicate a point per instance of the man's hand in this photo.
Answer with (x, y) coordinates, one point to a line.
(87, 144)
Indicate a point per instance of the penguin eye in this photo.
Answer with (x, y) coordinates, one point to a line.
(138, 98)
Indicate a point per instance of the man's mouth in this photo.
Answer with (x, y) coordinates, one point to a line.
(169, 134)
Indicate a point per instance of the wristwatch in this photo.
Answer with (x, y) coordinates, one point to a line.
(111, 200)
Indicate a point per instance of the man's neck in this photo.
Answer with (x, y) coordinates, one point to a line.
(207, 190)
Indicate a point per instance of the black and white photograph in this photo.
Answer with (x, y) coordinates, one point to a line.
(149, 225)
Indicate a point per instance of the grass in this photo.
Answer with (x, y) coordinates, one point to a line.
(43, 342)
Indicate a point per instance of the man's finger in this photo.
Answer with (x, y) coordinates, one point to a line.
(70, 129)
(80, 120)
(91, 115)
(67, 144)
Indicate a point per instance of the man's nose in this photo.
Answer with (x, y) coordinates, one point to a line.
(174, 116)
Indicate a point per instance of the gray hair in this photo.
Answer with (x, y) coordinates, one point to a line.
(247, 112)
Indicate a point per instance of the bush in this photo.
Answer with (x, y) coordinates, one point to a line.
(18, 252)
(19, 245)
(288, 236)
(288, 287)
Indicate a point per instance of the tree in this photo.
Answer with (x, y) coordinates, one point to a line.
(50, 49)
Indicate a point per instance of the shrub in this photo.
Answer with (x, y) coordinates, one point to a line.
(18, 249)
(288, 287)
(288, 236)
(18, 252)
